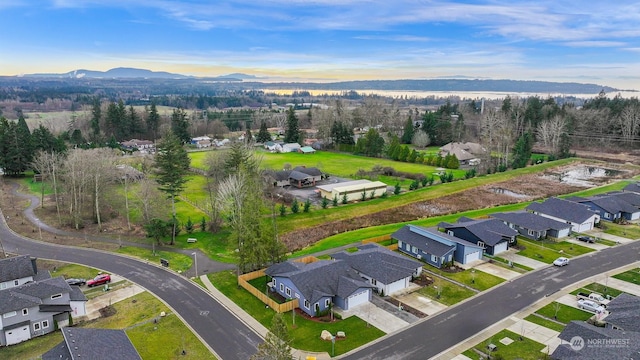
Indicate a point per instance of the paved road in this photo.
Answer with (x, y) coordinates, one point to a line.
(218, 328)
(437, 333)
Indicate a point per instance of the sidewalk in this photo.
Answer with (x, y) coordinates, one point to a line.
(515, 324)
(621, 285)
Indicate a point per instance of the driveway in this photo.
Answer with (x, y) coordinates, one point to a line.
(602, 235)
(621, 285)
(498, 271)
(595, 246)
(532, 263)
(376, 316)
(422, 303)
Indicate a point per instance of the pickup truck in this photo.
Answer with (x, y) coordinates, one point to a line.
(595, 297)
(591, 306)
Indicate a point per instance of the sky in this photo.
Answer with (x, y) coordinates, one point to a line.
(329, 40)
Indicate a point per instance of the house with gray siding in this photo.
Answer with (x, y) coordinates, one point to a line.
(610, 207)
(579, 216)
(387, 271)
(34, 309)
(434, 247)
(17, 270)
(534, 226)
(490, 234)
(319, 285)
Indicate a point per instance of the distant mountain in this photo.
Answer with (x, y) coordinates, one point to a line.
(240, 76)
(117, 73)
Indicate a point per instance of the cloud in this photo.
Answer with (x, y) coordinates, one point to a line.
(595, 43)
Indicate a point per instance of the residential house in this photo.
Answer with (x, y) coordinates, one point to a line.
(17, 270)
(579, 216)
(315, 173)
(273, 146)
(632, 188)
(87, 343)
(618, 339)
(34, 309)
(387, 271)
(144, 146)
(300, 179)
(434, 247)
(491, 234)
(353, 190)
(290, 147)
(610, 207)
(201, 142)
(468, 153)
(534, 226)
(307, 150)
(319, 285)
(279, 178)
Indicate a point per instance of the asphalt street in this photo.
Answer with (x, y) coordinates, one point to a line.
(222, 331)
(437, 333)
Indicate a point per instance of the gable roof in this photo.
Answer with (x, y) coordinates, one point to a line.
(425, 243)
(624, 312)
(87, 343)
(562, 209)
(630, 197)
(630, 350)
(321, 278)
(31, 294)
(297, 175)
(307, 149)
(17, 267)
(633, 187)
(490, 231)
(531, 221)
(611, 204)
(379, 263)
(313, 171)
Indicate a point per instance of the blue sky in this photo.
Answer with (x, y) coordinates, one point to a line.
(583, 41)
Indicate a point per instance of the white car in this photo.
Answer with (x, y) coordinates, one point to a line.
(561, 261)
(591, 306)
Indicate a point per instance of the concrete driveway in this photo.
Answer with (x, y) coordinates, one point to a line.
(375, 316)
(422, 303)
(619, 239)
(594, 246)
(498, 271)
(622, 285)
(532, 263)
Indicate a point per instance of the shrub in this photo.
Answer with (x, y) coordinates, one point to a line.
(307, 205)
(345, 199)
(188, 226)
(396, 189)
(295, 207)
(335, 200)
(283, 210)
(325, 202)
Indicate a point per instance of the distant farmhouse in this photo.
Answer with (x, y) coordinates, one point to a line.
(467, 153)
(144, 146)
(353, 190)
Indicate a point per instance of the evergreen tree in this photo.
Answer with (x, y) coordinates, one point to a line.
(42, 139)
(180, 125)
(277, 343)
(292, 132)
(325, 202)
(96, 116)
(371, 144)
(16, 152)
(409, 130)
(263, 135)
(135, 123)
(522, 151)
(153, 121)
(295, 206)
(172, 164)
(307, 206)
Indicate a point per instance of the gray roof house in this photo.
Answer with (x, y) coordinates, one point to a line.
(491, 234)
(86, 343)
(579, 216)
(388, 271)
(17, 270)
(581, 340)
(319, 285)
(435, 247)
(624, 313)
(35, 309)
(633, 187)
(610, 207)
(534, 226)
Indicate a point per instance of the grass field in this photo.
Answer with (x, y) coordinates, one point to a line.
(545, 322)
(177, 262)
(525, 349)
(548, 251)
(446, 292)
(564, 313)
(471, 277)
(632, 276)
(630, 231)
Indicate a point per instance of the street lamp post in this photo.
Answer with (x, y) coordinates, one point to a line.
(473, 276)
(333, 346)
(195, 262)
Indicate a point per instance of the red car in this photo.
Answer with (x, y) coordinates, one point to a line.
(99, 280)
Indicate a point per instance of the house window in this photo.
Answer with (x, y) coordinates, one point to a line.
(281, 287)
(3, 286)
(434, 259)
(288, 292)
(414, 250)
(306, 303)
(374, 282)
(9, 314)
(56, 296)
(45, 324)
(449, 232)
(36, 326)
(450, 257)
(327, 302)
(531, 232)
(16, 282)
(607, 215)
(399, 243)
(25, 311)
(481, 244)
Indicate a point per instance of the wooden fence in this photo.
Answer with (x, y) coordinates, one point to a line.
(243, 280)
(380, 239)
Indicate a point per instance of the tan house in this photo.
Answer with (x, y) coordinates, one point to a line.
(352, 189)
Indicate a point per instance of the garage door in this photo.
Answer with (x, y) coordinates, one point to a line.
(357, 299)
(472, 257)
(500, 248)
(17, 335)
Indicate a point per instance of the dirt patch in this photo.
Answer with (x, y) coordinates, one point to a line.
(532, 186)
(406, 307)
(108, 311)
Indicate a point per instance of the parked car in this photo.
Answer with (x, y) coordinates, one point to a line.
(588, 239)
(99, 280)
(76, 281)
(561, 261)
(591, 306)
(595, 297)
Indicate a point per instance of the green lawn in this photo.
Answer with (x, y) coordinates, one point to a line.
(217, 246)
(516, 266)
(598, 288)
(525, 349)
(306, 333)
(632, 276)
(630, 231)
(471, 277)
(177, 262)
(545, 322)
(446, 292)
(565, 313)
(547, 251)
(66, 270)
